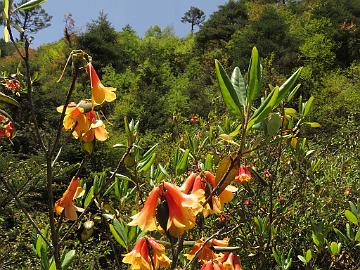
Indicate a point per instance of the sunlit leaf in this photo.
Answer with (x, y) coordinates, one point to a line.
(89, 196)
(254, 82)
(265, 108)
(68, 258)
(228, 92)
(238, 83)
(9, 100)
(6, 34)
(223, 168)
(30, 4)
(288, 85)
(351, 217)
(308, 105)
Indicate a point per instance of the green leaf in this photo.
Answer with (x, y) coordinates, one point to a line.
(287, 86)
(351, 217)
(120, 232)
(308, 105)
(273, 124)
(293, 92)
(182, 165)
(254, 83)
(145, 165)
(9, 100)
(313, 124)
(334, 248)
(353, 208)
(264, 109)
(69, 257)
(6, 34)
(238, 83)
(6, 9)
(301, 258)
(89, 196)
(315, 239)
(44, 257)
(31, 4)
(308, 255)
(208, 162)
(229, 94)
(357, 236)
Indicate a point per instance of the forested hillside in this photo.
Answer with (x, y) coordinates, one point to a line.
(217, 102)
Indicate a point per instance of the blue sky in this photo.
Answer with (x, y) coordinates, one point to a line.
(139, 14)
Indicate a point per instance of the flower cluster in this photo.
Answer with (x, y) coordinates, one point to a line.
(81, 118)
(207, 183)
(207, 250)
(169, 207)
(7, 128)
(147, 254)
(12, 84)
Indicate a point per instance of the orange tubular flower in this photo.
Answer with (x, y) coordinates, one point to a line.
(99, 91)
(244, 175)
(145, 219)
(183, 209)
(212, 266)
(195, 182)
(140, 259)
(207, 252)
(7, 128)
(66, 201)
(230, 261)
(97, 130)
(180, 210)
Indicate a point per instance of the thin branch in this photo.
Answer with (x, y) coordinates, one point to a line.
(22, 207)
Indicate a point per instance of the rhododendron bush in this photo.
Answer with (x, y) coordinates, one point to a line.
(215, 203)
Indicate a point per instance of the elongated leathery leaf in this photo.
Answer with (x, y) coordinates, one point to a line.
(265, 108)
(287, 86)
(31, 4)
(254, 83)
(238, 83)
(230, 96)
(6, 99)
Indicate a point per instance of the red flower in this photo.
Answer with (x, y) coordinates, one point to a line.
(7, 128)
(207, 252)
(212, 266)
(244, 175)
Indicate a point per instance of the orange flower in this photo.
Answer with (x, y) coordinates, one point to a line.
(180, 210)
(97, 130)
(66, 201)
(99, 91)
(183, 209)
(7, 128)
(207, 252)
(195, 182)
(212, 266)
(12, 84)
(87, 127)
(145, 219)
(230, 261)
(244, 175)
(147, 254)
